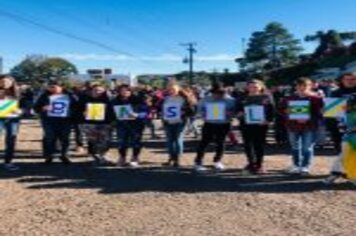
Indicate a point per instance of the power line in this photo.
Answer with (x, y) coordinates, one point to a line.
(22, 19)
(114, 25)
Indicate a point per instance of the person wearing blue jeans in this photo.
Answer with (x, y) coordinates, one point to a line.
(177, 107)
(175, 140)
(302, 113)
(9, 121)
(302, 144)
(11, 127)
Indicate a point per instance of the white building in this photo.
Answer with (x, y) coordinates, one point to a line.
(117, 78)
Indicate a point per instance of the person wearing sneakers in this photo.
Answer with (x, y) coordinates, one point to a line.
(217, 110)
(302, 113)
(97, 116)
(56, 108)
(255, 111)
(337, 170)
(131, 112)
(9, 118)
(177, 107)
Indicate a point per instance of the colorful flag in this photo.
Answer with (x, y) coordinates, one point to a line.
(9, 108)
(349, 160)
(334, 107)
(299, 110)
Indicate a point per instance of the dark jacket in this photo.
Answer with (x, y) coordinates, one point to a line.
(264, 100)
(44, 100)
(85, 100)
(316, 106)
(138, 105)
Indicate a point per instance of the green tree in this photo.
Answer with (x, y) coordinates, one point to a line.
(329, 40)
(36, 70)
(272, 48)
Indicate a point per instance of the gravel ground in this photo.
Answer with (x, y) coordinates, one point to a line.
(83, 199)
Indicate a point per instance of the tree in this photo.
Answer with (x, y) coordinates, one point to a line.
(36, 70)
(272, 48)
(329, 41)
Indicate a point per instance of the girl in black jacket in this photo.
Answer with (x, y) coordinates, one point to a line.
(253, 128)
(97, 116)
(131, 112)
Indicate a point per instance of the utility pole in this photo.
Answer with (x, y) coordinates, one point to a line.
(191, 50)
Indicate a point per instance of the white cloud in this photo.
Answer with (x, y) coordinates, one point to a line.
(159, 58)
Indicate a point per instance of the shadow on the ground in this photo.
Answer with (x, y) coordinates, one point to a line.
(112, 180)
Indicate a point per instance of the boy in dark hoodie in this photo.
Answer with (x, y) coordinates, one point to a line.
(56, 108)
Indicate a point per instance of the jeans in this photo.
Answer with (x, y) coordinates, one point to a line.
(175, 136)
(302, 144)
(254, 137)
(78, 135)
(53, 131)
(11, 127)
(150, 124)
(212, 133)
(129, 134)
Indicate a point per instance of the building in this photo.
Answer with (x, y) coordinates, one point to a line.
(105, 74)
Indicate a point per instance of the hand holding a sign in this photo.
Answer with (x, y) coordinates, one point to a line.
(46, 108)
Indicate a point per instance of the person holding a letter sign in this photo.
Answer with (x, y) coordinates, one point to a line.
(347, 87)
(9, 118)
(56, 108)
(302, 113)
(131, 112)
(217, 111)
(176, 109)
(97, 118)
(255, 111)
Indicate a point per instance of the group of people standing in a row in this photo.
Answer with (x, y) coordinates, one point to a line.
(96, 112)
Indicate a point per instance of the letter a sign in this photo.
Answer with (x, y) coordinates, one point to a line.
(123, 112)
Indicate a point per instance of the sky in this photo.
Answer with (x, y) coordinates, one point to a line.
(144, 36)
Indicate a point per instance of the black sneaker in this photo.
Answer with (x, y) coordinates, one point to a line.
(65, 160)
(48, 160)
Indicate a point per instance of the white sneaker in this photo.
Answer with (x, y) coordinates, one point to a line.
(293, 170)
(199, 168)
(11, 167)
(219, 166)
(134, 164)
(304, 171)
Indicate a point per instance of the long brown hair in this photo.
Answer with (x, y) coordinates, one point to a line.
(261, 84)
(13, 91)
